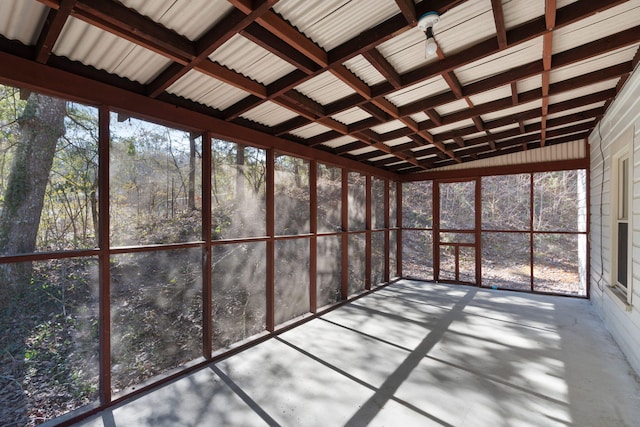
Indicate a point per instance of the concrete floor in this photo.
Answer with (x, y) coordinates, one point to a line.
(413, 354)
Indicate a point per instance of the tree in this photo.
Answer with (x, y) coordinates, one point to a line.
(41, 125)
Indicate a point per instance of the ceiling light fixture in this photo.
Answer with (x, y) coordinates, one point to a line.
(426, 23)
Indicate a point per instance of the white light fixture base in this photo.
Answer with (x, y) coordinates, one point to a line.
(427, 20)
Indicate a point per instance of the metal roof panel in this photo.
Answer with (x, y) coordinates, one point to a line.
(190, 18)
(206, 90)
(434, 86)
(332, 22)
(452, 107)
(388, 127)
(251, 60)
(269, 113)
(446, 128)
(517, 12)
(513, 110)
(325, 88)
(464, 26)
(491, 95)
(339, 142)
(593, 64)
(364, 70)
(310, 130)
(90, 45)
(22, 20)
(406, 51)
(510, 58)
(351, 115)
(598, 26)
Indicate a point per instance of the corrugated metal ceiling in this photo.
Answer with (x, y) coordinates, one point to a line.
(290, 81)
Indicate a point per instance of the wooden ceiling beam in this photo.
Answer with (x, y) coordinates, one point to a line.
(547, 52)
(533, 29)
(453, 82)
(514, 92)
(235, 22)
(347, 77)
(498, 18)
(570, 14)
(580, 53)
(286, 32)
(56, 18)
(241, 107)
(232, 78)
(383, 66)
(370, 155)
(434, 116)
(519, 120)
(408, 9)
(128, 24)
(384, 31)
(314, 108)
(322, 138)
(376, 112)
(553, 108)
(269, 41)
(576, 133)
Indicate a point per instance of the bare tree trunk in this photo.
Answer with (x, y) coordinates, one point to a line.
(41, 125)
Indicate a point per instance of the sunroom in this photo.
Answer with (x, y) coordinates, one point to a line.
(341, 212)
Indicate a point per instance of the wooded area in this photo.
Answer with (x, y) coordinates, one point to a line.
(49, 317)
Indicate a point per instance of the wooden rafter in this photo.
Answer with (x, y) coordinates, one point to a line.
(51, 30)
(498, 19)
(547, 52)
(258, 22)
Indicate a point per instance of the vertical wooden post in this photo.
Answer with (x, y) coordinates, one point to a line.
(531, 235)
(270, 269)
(436, 230)
(207, 279)
(386, 230)
(313, 224)
(104, 322)
(344, 290)
(368, 237)
(400, 225)
(588, 219)
(478, 235)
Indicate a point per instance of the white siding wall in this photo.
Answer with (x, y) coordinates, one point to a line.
(621, 120)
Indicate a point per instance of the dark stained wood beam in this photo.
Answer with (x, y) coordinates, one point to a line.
(235, 22)
(514, 92)
(434, 116)
(383, 66)
(362, 43)
(580, 53)
(601, 96)
(547, 51)
(536, 28)
(363, 124)
(408, 9)
(498, 19)
(384, 31)
(130, 25)
(51, 30)
(341, 72)
(269, 41)
(454, 83)
(376, 112)
(228, 76)
(289, 34)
